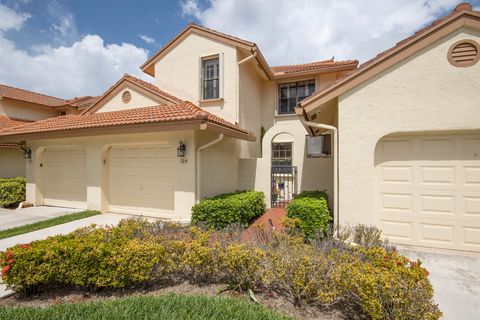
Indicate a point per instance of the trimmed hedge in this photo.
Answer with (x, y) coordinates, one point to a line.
(12, 191)
(225, 209)
(311, 208)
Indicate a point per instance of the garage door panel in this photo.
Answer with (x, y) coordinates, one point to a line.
(472, 236)
(471, 205)
(437, 204)
(64, 182)
(471, 175)
(396, 201)
(428, 190)
(437, 175)
(142, 179)
(396, 174)
(400, 230)
(437, 148)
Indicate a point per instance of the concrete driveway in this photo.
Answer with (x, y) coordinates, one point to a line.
(456, 281)
(15, 218)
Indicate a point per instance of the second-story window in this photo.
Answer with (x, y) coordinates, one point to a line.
(211, 78)
(291, 93)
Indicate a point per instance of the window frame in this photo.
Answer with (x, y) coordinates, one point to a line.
(203, 59)
(278, 95)
(273, 159)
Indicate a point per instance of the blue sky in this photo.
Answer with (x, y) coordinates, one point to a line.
(114, 21)
(71, 48)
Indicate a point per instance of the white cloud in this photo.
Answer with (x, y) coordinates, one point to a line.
(87, 67)
(191, 8)
(64, 25)
(309, 30)
(146, 38)
(11, 20)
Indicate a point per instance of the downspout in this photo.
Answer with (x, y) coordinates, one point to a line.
(237, 111)
(335, 163)
(199, 167)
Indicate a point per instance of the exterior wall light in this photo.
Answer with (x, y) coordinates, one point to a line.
(181, 150)
(27, 152)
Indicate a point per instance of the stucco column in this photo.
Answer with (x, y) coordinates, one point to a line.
(33, 178)
(185, 179)
(95, 166)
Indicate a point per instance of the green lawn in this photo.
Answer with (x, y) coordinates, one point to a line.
(46, 223)
(170, 306)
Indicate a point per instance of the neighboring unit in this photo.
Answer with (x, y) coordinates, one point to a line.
(409, 136)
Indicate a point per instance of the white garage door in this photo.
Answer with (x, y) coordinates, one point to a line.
(64, 180)
(142, 179)
(428, 190)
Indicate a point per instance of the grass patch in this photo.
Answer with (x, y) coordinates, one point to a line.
(170, 306)
(46, 223)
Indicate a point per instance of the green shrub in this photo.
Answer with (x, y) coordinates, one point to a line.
(316, 194)
(12, 191)
(223, 210)
(311, 207)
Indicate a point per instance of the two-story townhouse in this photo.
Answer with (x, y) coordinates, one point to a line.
(207, 124)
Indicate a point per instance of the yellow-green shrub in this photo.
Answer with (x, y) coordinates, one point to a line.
(388, 286)
(242, 265)
(201, 258)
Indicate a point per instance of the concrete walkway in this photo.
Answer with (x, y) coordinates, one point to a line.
(456, 281)
(15, 218)
(102, 219)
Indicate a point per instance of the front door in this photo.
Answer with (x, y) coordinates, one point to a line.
(283, 175)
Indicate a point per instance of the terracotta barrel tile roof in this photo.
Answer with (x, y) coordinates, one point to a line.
(6, 122)
(29, 96)
(152, 87)
(82, 102)
(184, 111)
(312, 66)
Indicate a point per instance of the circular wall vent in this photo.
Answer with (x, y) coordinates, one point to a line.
(464, 53)
(126, 96)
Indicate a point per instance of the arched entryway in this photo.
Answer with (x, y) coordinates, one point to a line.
(283, 171)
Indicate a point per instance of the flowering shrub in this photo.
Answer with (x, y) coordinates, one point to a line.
(376, 279)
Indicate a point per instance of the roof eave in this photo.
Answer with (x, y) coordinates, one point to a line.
(148, 66)
(347, 67)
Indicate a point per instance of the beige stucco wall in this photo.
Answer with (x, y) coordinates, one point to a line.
(25, 110)
(250, 111)
(138, 100)
(423, 93)
(219, 165)
(97, 194)
(12, 163)
(178, 73)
